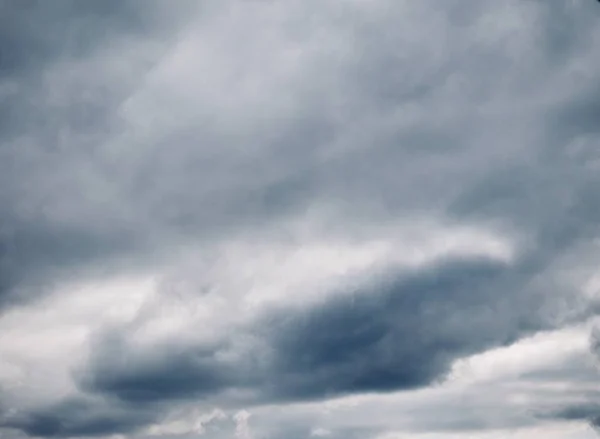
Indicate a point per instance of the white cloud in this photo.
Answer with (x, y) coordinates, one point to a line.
(552, 430)
(527, 355)
(242, 428)
(187, 421)
(41, 343)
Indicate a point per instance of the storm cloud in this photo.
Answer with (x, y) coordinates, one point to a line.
(251, 218)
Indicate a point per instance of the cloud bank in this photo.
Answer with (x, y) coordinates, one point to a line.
(302, 219)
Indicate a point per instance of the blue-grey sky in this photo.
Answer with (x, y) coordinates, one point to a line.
(258, 219)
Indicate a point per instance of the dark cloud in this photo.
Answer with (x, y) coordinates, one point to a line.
(172, 374)
(34, 256)
(35, 33)
(35, 36)
(580, 400)
(388, 120)
(584, 411)
(79, 417)
(60, 206)
(177, 188)
(403, 334)
(400, 333)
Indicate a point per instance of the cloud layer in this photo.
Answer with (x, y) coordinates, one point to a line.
(256, 219)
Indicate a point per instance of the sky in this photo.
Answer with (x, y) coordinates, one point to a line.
(339, 219)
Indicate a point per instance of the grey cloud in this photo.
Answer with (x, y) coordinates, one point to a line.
(400, 336)
(180, 187)
(173, 374)
(36, 35)
(60, 208)
(78, 417)
(30, 254)
(400, 333)
(584, 411)
(305, 432)
(442, 121)
(68, 200)
(35, 32)
(578, 398)
(579, 371)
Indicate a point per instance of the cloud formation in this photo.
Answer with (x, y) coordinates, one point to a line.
(244, 218)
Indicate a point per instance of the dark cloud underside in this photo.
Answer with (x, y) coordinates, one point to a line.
(402, 333)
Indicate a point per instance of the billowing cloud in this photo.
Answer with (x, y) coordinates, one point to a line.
(232, 218)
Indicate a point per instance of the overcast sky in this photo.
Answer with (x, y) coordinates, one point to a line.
(261, 219)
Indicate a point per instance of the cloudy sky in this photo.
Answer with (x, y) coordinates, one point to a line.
(261, 219)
